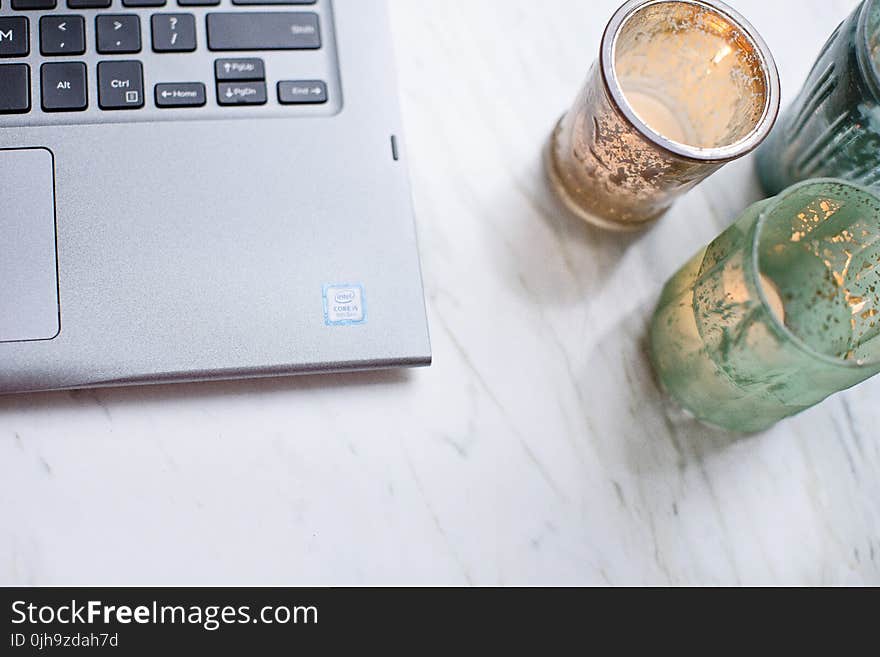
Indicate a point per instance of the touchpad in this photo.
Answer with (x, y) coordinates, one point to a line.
(28, 269)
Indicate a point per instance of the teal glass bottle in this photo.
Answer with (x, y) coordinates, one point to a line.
(833, 127)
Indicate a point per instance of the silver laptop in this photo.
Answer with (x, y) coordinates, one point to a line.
(201, 189)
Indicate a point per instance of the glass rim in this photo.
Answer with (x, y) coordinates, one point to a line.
(716, 154)
(753, 271)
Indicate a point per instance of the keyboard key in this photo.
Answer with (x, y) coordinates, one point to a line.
(302, 92)
(62, 35)
(14, 39)
(239, 69)
(15, 88)
(64, 87)
(144, 3)
(174, 32)
(273, 2)
(89, 4)
(198, 3)
(270, 31)
(241, 93)
(24, 5)
(180, 94)
(118, 33)
(120, 85)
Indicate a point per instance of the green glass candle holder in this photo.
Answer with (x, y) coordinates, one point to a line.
(779, 312)
(833, 127)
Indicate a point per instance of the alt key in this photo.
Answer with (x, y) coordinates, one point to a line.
(302, 92)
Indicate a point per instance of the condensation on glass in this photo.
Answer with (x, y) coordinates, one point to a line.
(833, 127)
(779, 312)
(680, 89)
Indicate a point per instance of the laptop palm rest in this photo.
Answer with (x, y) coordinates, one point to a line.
(28, 265)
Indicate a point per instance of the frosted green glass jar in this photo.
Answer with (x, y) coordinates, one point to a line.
(833, 127)
(779, 312)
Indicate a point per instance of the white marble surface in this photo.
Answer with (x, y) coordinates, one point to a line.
(537, 450)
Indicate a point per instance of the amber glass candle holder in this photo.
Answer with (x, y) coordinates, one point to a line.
(680, 89)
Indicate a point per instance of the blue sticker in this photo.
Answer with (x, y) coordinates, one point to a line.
(344, 305)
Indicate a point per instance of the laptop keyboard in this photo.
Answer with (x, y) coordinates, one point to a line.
(86, 61)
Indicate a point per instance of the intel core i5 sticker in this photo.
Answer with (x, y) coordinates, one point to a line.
(344, 305)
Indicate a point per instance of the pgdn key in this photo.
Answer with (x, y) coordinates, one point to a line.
(241, 93)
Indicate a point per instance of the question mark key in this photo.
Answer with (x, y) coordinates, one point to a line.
(174, 32)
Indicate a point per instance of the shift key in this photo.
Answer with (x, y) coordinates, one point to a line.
(264, 31)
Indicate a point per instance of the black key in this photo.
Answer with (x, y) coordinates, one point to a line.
(302, 92)
(180, 94)
(118, 33)
(239, 69)
(15, 88)
(241, 93)
(120, 85)
(14, 39)
(89, 4)
(174, 32)
(198, 3)
(273, 2)
(62, 35)
(144, 3)
(33, 4)
(64, 87)
(272, 31)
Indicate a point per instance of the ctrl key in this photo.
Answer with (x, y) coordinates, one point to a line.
(15, 88)
(120, 85)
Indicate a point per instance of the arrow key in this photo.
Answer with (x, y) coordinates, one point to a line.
(120, 33)
(62, 35)
(302, 92)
